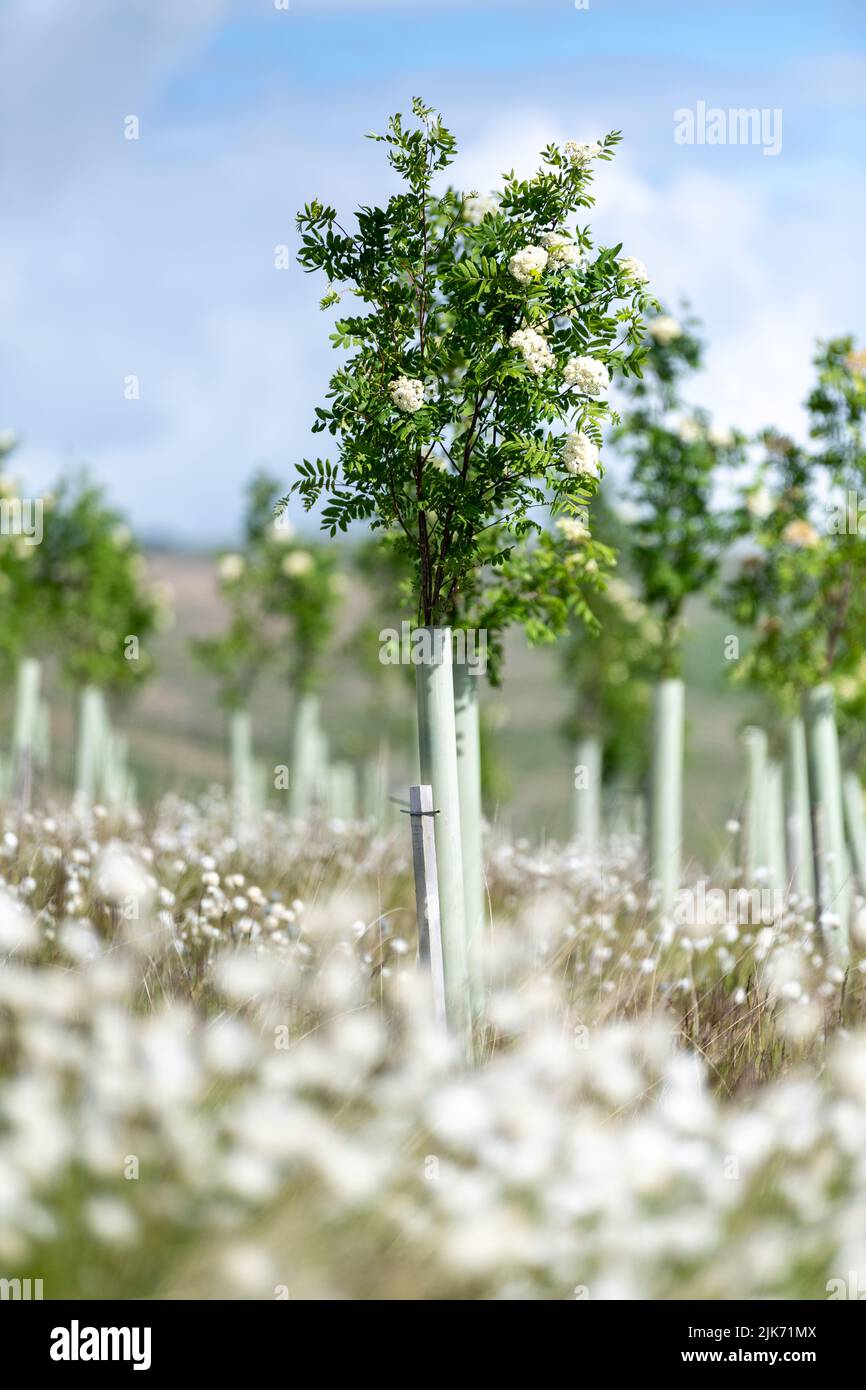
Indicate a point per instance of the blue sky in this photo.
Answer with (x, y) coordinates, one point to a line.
(155, 257)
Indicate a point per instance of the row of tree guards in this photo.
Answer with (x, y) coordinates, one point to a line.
(314, 783)
(801, 829)
(101, 771)
(802, 824)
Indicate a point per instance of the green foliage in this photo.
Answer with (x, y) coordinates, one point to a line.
(448, 427)
(89, 592)
(608, 667)
(281, 595)
(678, 536)
(543, 584)
(801, 584)
(24, 598)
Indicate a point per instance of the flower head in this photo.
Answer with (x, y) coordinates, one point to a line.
(476, 209)
(689, 430)
(759, 503)
(801, 534)
(581, 152)
(573, 529)
(231, 567)
(527, 264)
(580, 455)
(665, 329)
(587, 375)
(300, 562)
(407, 393)
(536, 353)
(560, 251)
(633, 269)
(281, 529)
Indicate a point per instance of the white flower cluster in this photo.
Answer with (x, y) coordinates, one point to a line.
(586, 375)
(476, 209)
(407, 393)
(533, 347)
(633, 269)
(297, 564)
(689, 430)
(759, 503)
(801, 534)
(231, 567)
(573, 529)
(665, 329)
(527, 264)
(580, 455)
(281, 529)
(581, 152)
(560, 251)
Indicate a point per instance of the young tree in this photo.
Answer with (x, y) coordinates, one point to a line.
(803, 590)
(25, 628)
(101, 612)
(473, 395)
(608, 667)
(281, 596)
(678, 538)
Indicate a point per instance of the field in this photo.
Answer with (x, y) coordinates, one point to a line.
(432, 668)
(224, 1078)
